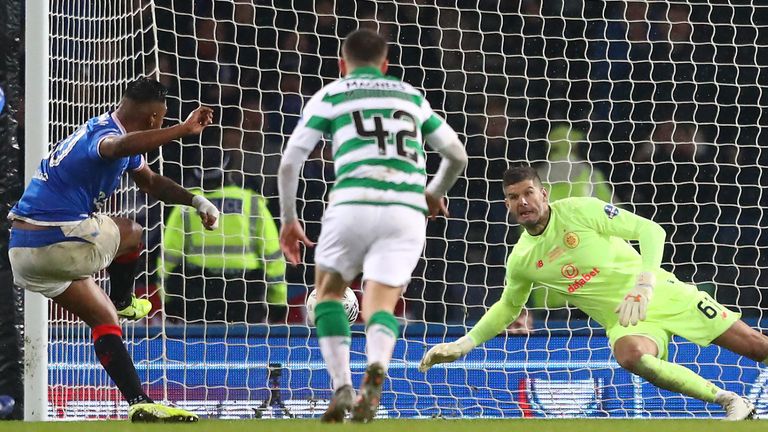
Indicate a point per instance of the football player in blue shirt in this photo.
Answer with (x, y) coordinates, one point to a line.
(59, 239)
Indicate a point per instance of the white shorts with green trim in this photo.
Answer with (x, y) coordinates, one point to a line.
(384, 242)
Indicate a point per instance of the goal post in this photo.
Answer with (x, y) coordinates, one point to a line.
(36, 140)
(80, 56)
(655, 106)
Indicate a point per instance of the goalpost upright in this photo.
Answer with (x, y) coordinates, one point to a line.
(36, 145)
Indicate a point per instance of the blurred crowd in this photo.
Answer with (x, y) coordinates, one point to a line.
(665, 99)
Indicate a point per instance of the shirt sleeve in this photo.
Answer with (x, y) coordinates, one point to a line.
(315, 122)
(97, 138)
(608, 219)
(136, 162)
(506, 310)
(436, 132)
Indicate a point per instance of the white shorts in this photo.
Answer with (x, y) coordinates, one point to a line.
(383, 242)
(47, 261)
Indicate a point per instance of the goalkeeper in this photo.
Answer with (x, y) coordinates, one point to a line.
(578, 247)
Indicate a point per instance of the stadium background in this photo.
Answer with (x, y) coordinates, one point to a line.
(671, 111)
(668, 95)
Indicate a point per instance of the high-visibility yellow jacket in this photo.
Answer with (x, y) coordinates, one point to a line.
(246, 239)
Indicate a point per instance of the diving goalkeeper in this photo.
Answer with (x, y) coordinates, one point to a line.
(578, 247)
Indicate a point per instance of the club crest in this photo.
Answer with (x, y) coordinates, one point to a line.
(571, 240)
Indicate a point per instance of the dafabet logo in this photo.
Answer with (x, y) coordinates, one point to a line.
(571, 272)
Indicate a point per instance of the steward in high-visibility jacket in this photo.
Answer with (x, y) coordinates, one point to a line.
(223, 274)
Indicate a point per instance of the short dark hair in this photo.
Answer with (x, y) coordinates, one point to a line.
(364, 46)
(145, 90)
(519, 173)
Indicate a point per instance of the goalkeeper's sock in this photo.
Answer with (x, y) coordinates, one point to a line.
(676, 378)
(108, 343)
(380, 338)
(122, 273)
(334, 338)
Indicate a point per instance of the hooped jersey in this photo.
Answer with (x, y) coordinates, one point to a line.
(74, 180)
(377, 125)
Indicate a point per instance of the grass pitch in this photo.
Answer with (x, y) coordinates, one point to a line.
(437, 425)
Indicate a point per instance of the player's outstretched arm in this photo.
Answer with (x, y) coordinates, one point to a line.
(140, 142)
(170, 192)
(446, 352)
(498, 318)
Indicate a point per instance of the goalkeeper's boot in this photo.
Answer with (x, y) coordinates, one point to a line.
(138, 309)
(370, 394)
(157, 413)
(736, 407)
(341, 404)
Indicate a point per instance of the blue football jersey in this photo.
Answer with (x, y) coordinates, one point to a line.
(74, 180)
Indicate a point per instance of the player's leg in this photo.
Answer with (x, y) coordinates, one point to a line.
(122, 270)
(334, 338)
(387, 269)
(338, 255)
(86, 300)
(379, 302)
(744, 340)
(333, 330)
(640, 355)
(381, 330)
(704, 321)
(634, 350)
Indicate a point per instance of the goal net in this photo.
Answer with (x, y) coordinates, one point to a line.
(655, 106)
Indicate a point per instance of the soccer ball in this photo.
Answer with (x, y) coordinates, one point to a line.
(351, 306)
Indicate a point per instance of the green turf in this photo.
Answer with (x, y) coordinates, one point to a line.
(645, 425)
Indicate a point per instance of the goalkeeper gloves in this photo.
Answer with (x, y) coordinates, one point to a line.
(208, 212)
(633, 308)
(446, 352)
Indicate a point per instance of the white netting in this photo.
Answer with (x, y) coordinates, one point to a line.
(662, 101)
(96, 50)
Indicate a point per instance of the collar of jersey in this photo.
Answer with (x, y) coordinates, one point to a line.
(117, 121)
(365, 70)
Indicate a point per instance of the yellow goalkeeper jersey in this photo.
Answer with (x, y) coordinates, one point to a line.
(584, 254)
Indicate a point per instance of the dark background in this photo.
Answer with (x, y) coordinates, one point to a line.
(670, 97)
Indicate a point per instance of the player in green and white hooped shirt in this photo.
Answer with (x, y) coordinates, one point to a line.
(578, 247)
(375, 220)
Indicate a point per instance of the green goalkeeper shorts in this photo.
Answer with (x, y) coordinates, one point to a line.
(679, 309)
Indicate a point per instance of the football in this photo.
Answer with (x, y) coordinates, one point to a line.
(351, 306)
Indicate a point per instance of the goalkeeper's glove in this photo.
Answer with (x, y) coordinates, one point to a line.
(446, 352)
(633, 308)
(208, 212)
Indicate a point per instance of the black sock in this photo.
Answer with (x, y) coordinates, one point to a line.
(122, 273)
(112, 354)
